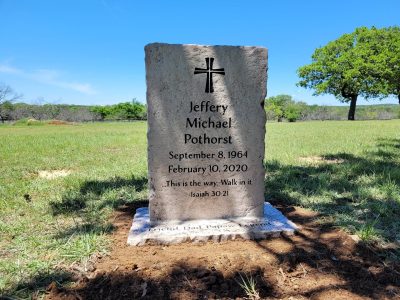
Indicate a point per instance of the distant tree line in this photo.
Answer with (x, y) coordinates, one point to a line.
(283, 108)
(72, 113)
(10, 110)
(279, 108)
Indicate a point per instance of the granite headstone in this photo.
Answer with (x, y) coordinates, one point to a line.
(206, 129)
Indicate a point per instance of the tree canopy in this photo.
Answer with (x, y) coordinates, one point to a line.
(388, 61)
(284, 107)
(122, 111)
(354, 65)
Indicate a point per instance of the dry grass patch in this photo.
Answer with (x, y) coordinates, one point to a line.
(317, 160)
(52, 174)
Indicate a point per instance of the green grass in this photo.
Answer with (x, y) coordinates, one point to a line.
(249, 286)
(65, 219)
(348, 171)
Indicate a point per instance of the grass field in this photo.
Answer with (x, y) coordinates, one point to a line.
(348, 171)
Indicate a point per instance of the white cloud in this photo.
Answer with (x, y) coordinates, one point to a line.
(9, 70)
(50, 77)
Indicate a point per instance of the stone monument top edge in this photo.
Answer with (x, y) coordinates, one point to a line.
(201, 45)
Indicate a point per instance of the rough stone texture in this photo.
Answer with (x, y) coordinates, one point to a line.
(172, 90)
(171, 232)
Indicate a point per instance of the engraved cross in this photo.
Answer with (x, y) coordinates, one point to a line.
(209, 71)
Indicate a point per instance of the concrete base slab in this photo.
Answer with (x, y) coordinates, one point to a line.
(273, 223)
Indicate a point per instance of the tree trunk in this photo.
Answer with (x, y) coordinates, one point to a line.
(398, 96)
(352, 110)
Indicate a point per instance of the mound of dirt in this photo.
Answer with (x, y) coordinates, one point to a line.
(59, 122)
(319, 262)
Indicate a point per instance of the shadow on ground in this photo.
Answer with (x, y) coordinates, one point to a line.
(319, 262)
(75, 201)
(84, 207)
(184, 282)
(360, 193)
(91, 198)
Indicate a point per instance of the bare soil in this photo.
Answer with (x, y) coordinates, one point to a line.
(318, 262)
(59, 122)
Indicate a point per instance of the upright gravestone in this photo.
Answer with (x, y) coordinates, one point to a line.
(206, 129)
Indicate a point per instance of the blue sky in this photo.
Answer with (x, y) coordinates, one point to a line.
(91, 52)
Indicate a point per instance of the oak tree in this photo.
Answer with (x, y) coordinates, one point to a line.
(345, 68)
